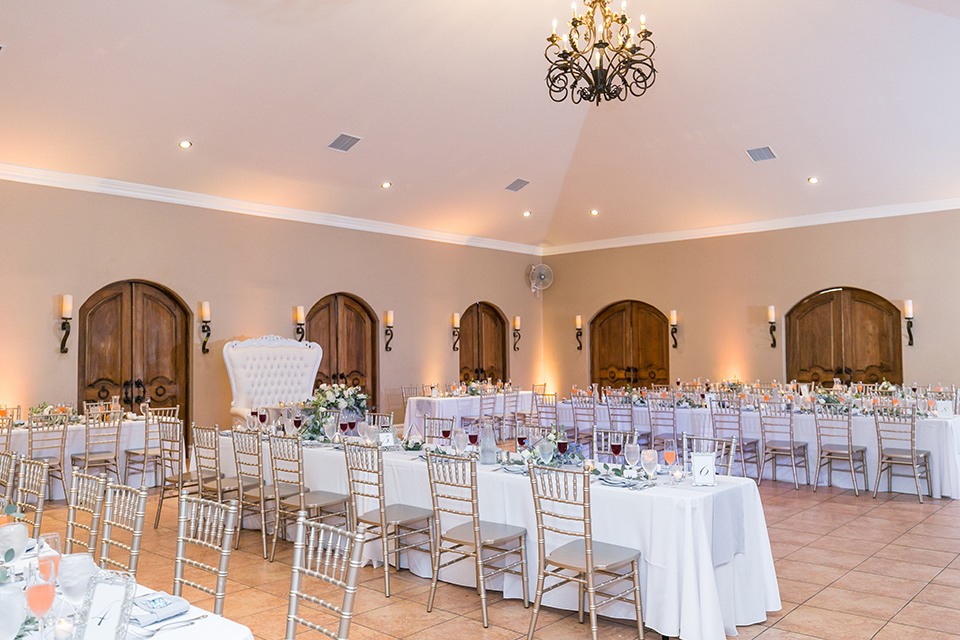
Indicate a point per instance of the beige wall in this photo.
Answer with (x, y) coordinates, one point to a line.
(252, 270)
(721, 287)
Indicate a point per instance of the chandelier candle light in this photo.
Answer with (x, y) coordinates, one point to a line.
(602, 57)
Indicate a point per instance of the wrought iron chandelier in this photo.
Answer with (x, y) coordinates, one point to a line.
(602, 58)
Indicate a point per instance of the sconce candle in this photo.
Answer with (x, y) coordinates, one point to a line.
(578, 321)
(298, 319)
(516, 332)
(673, 317)
(388, 331)
(771, 314)
(673, 327)
(456, 332)
(205, 325)
(205, 311)
(772, 319)
(456, 321)
(388, 318)
(298, 315)
(516, 322)
(66, 313)
(908, 309)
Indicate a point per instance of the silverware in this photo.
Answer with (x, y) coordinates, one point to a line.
(176, 624)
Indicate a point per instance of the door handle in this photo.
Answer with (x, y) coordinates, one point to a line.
(126, 392)
(141, 392)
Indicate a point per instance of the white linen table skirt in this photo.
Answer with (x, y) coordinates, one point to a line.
(131, 437)
(706, 562)
(453, 407)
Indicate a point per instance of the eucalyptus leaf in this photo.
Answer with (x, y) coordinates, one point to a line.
(9, 555)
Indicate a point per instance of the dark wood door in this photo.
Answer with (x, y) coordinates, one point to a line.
(135, 340)
(346, 329)
(483, 343)
(843, 332)
(628, 345)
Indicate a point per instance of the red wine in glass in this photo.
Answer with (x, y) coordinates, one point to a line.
(344, 426)
(445, 433)
(521, 441)
(352, 425)
(263, 417)
(474, 438)
(562, 447)
(297, 421)
(616, 448)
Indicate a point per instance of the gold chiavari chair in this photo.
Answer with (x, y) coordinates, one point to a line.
(327, 556)
(206, 461)
(87, 495)
(584, 417)
(453, 488)
(434, 428)
(102, 440)
(561, 499)
(257, 496)
(408, 391)
(604, 441)
(488, 406)
(6, 431)
(124, 510)
(47, 438)
(620, 414)
(723, 448)
(286, 461)
(524, 417)
(13, 413)
(426, 390)
(140, 459)
(32, 485)
(662, 414)
(383, 422)
(173, 465)
(507, 420)
(777, 441)
(8, 474)
(546, 404)
(835, 444)
(726, 416)
(391, 523)
(211, 527)
(897, 437)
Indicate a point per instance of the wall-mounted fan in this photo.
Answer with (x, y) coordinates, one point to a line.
(541, 277)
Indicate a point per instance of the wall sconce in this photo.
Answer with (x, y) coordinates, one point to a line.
(673, 326)
(578, 322)
(908, 314)
(456, 332)
(772, 321)
(66, 314)
(516, 332)
(298, 320)
(388, 332)
(205, 325)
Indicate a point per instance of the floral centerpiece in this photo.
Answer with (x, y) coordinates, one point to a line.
(351, 402)
(572, 456)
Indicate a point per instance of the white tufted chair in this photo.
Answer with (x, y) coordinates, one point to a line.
(267, 371)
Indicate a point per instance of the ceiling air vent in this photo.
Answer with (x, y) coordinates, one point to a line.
(344, 142)
(762, 153)
(517, 184)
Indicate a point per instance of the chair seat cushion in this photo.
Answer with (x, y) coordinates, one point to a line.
(269, 491)
(315, 500)
(573, 555)
(902, 453)
(491, 533)
(397, 514)
(784, 445)
(153, 452)
(228, 484)
(841, 448)
(53, 461)
(95, 457)
(187, 477)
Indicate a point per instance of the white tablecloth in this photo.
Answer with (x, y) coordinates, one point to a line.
(131, 437)
(453, 407)
(706, 560)
(939, 436)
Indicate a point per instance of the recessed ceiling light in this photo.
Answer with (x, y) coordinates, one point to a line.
(594, 212)
(813, 179)
(185, 144)
(386, 185)
(526, 214)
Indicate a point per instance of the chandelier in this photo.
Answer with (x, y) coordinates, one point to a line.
(602, 58)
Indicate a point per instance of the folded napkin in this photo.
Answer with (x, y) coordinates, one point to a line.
(155, 607)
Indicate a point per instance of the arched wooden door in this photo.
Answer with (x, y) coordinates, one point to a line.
(628, 346)
(346, 328)
(847, 333)
(135, 340)
(483, 343)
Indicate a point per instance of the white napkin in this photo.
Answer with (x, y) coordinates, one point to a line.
(156, 607)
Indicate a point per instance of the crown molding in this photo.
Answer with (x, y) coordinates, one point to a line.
(106, 186)
(779, 224)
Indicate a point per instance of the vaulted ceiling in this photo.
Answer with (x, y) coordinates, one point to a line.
(450, 102)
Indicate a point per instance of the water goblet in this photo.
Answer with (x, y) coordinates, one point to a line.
(13, 609)
(460, 440)
(545, 449)
(648, 459)
(76, 570)
(631, 452)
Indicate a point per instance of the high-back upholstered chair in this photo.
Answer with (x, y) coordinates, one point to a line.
(267, 371)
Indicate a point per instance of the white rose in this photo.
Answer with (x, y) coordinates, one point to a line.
(341, 404)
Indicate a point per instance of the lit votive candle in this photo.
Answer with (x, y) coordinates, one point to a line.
(63, 629)
(677, 475)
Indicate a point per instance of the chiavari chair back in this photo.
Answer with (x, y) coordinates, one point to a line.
(383, 423)
(835, 444)
(327, 556)
(726, 416)
(391, 523)
(662, 413)
(584, 416)
(408, 391)
(173, 469)
(546, 404)
(102, 441)
(561, 499)
(209, 526)
(8, 474)
(897, 437)
(509, 419)
(13, 413)
(723, 448)
(286, 462)
(6, 431)
(206, 460)
(453, 489)
(777, 440)
(31, 492)
(124, 510)
(47, 440)
(87, 495)
(620, 415)
(434, 428)
(140, 459)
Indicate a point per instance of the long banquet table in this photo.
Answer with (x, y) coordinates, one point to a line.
(939, 436)
(131, 437)
(706, 563)
(452, 407)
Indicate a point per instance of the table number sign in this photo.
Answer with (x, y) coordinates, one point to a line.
(943, 409)
(704, 466)
(106, 608)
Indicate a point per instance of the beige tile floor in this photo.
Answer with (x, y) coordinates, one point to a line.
(849, 568)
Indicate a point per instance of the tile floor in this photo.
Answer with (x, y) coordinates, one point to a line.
(849, 568)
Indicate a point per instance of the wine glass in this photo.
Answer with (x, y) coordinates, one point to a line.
(648, 459)
(631, 452)
(669, 451)
(75, 572)
(474, 435)
(562, 442)
(298, 421)
(49, 549)
(616, 443)
(545, 449)
(521, 438)
(460, 440)
(445, 431)
(262, 416)
(13, 609)
(41, 588)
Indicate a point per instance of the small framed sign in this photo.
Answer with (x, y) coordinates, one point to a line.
(704, 466)
(943, 409)
(105, 612)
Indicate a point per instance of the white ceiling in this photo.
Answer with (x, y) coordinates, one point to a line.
(450, 101)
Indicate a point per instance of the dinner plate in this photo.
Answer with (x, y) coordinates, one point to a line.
(615, 481)
(515, 468)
